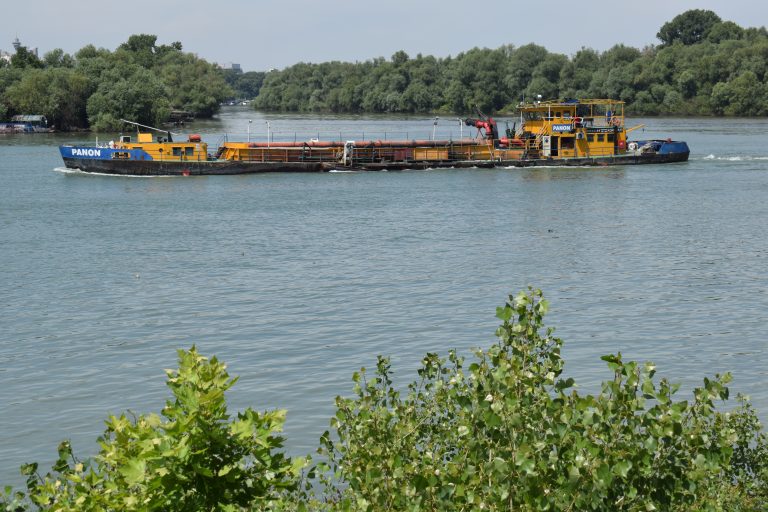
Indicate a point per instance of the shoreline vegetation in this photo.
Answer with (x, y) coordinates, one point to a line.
(703, 66)
(507, 430)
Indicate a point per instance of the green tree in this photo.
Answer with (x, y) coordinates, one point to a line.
(192, 83)
(577, 73)
(687, 83)
(520, 66)
(400, 58)
(690, 27)
(498, 79)
(58, 59)
(23, 58)
(132, 93)
(141, 48)
(58, 93)
(244, 85)
(723, 31)
(745, 95)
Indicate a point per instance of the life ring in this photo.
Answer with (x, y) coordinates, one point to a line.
(632, 146)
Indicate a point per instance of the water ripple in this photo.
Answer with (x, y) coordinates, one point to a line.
(298, 280)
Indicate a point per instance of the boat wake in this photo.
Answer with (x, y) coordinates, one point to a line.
(736, 158)
(66, 170)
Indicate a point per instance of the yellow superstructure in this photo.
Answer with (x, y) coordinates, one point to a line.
(165, 149)
(573, 128)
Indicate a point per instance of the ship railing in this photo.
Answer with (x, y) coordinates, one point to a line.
(278, 136)
(606, 121)
(467, 149)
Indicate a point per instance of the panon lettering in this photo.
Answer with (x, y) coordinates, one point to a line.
(86, 152)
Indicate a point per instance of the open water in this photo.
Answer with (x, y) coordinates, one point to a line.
(296, 281)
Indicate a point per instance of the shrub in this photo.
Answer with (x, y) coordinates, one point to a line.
(508, 432)
(193, 457)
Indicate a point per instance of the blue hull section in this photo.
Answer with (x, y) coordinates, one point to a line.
(665, 147)
(100, 153)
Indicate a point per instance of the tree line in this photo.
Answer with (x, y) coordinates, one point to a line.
(141, 80)
(702, 66)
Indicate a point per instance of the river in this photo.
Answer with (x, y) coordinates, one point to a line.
(296, 281)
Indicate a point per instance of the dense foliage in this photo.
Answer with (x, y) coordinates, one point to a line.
(510, 432)
(507, 432)
(245, 86)
(703, 66)
(141, 81)
(194, 457)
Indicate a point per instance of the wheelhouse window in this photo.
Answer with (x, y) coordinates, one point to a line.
(176, 151)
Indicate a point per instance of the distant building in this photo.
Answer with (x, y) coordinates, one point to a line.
(16, 45)
(231, 65)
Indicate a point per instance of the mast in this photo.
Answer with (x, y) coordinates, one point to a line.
(167, 132)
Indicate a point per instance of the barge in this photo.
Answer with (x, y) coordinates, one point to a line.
(569, 132)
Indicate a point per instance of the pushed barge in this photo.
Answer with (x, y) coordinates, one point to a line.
(551, 133)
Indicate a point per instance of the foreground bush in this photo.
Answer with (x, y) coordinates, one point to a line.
(506, 432)
(194, 457)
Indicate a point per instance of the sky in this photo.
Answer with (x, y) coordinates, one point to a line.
(261, 35)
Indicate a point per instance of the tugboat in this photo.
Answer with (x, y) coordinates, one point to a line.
(582, 132)
(552, 133)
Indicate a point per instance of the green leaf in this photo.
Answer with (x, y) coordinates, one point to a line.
(604, 475)
(648, 389)
(500, 466)
(29, 469)
(133, 471)
(622, 468)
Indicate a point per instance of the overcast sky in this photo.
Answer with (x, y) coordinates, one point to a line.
(260, 35)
